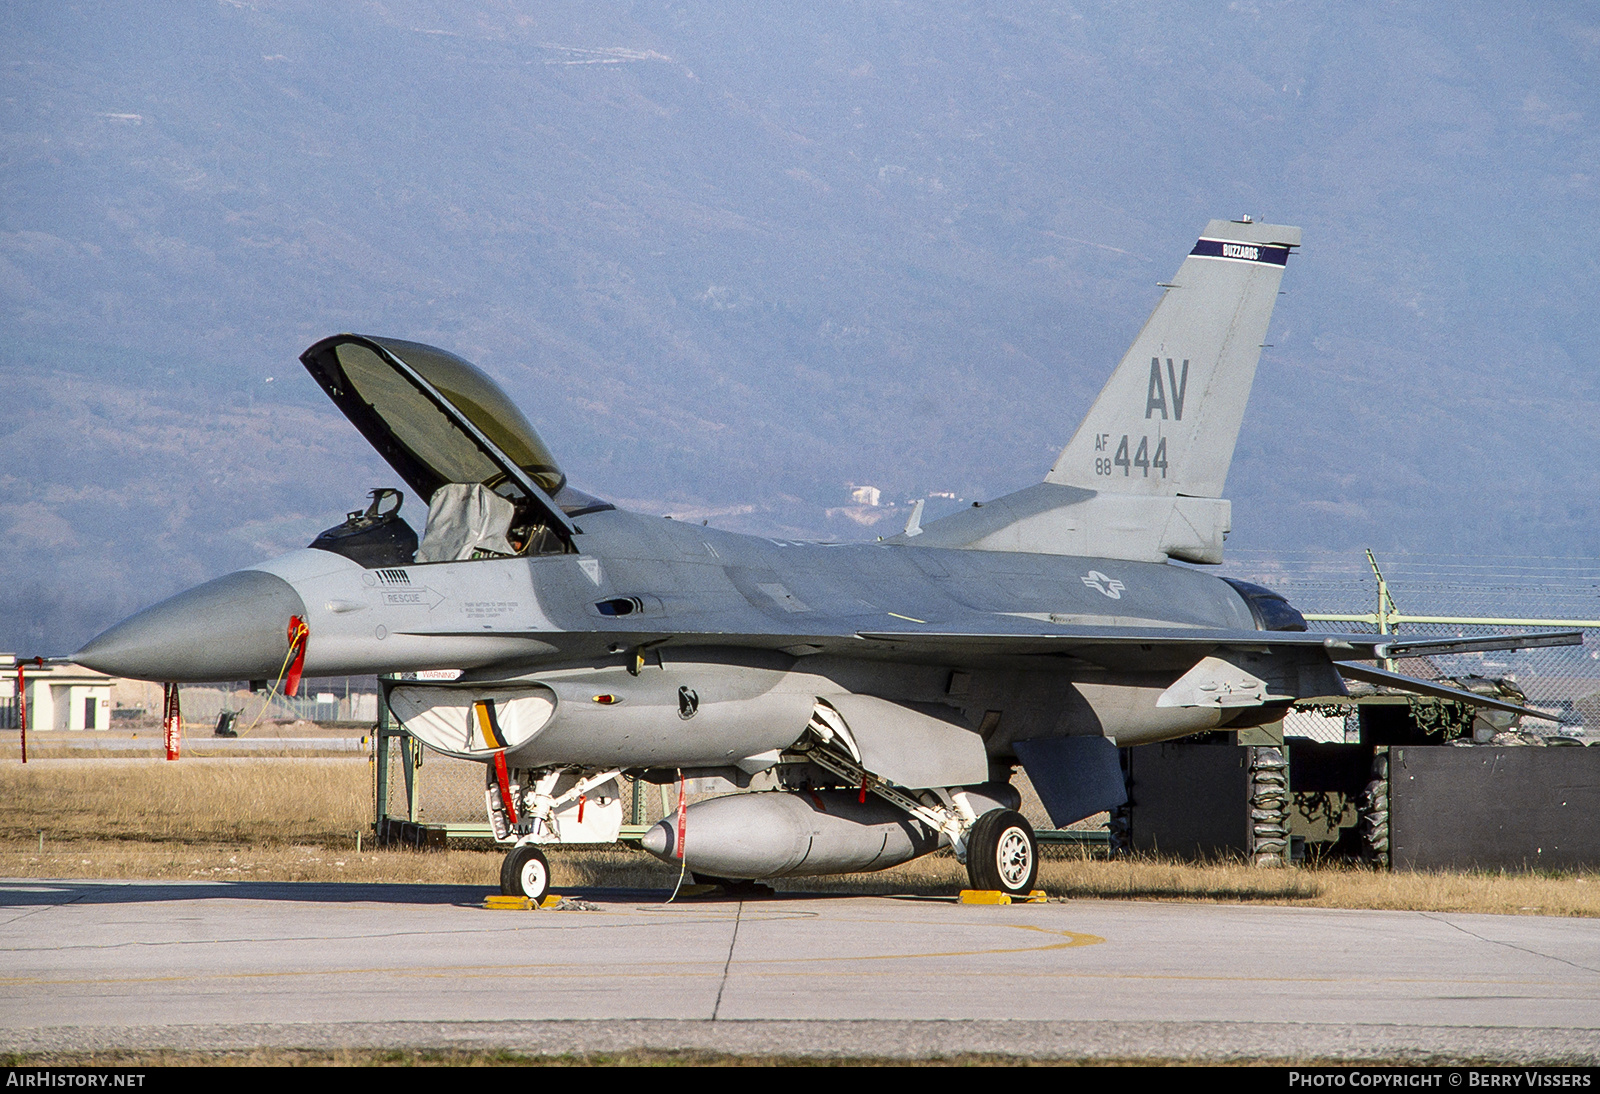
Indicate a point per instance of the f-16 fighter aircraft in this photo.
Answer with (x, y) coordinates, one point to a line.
(872, 699)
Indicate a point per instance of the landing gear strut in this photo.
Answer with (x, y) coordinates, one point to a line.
(1002, 853)
(998, 847)
(525, 872)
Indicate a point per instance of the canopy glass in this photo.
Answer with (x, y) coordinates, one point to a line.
(438, 419)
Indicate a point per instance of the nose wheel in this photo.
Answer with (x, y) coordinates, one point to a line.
(1002, 853)
(525, 872)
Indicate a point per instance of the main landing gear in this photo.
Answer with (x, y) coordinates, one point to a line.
(997, 845)
(1002, 853)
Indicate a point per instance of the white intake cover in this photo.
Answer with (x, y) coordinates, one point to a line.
(444, 718)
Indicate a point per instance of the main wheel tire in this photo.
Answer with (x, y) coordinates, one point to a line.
(525, 872)
(1002, 853)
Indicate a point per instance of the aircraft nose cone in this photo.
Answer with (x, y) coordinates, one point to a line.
(233, 628)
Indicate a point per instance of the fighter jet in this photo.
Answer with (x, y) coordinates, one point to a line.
(872, 701)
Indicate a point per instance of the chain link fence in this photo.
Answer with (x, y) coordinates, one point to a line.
(1563, 681)
(322, 703)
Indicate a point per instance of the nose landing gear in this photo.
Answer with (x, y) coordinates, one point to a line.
(525, 872)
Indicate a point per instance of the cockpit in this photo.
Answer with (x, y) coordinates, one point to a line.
(492, 487)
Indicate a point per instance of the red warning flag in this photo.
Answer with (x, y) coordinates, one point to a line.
(298, 633)
(171, 720)
(22, 709)
(683, 813)
(503, 777)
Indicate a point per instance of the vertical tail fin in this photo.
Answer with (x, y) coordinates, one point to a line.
(1167, 421)
(1142, 478)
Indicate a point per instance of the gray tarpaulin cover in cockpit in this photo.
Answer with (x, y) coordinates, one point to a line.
(466, 520)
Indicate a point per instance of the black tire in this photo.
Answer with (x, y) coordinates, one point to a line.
(1002, 853)
(525, 872)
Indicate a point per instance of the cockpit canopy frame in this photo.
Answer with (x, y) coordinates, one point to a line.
(438, 419)
(1272, 612)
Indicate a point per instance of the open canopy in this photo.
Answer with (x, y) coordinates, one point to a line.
(437, 419)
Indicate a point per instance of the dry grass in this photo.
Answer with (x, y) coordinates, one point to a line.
(1562, 894)
(266, 819)
(148, 742)
(236, 802)
(214, 862)
(298, 819)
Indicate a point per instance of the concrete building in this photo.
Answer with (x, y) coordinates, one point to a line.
(56, 696)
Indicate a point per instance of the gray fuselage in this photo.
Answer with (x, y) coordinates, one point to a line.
(687, 595)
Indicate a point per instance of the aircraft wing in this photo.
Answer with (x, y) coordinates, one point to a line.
(1440, 647)
(1342, 649)
(1117, 647)
(1046, 641)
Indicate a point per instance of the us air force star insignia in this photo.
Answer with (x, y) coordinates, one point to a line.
(1101, 583)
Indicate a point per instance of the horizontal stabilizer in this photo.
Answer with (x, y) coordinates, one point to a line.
(1439, 647)
(1395, 680)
